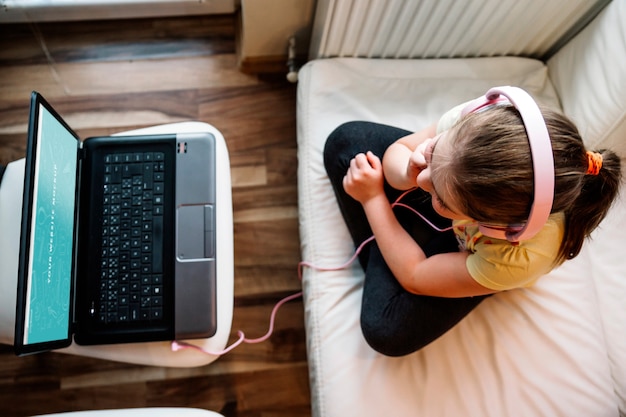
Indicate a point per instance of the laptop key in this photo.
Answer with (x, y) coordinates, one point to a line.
(156, 313)
(134, 312)
(123, 314)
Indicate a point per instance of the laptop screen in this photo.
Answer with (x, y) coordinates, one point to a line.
(47, 273)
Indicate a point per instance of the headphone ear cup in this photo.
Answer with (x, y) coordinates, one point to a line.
(499, 232)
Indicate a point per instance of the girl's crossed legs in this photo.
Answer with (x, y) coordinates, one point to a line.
(394, 322)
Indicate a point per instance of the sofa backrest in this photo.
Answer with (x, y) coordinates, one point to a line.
(589, 74)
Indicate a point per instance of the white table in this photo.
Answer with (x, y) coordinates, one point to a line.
(153, 353)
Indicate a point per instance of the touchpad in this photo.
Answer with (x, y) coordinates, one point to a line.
(191, 236)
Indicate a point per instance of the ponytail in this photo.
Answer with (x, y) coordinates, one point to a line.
(599, 186)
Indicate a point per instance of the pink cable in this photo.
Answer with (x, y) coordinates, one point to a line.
(335, 268)
(176, 345)
(422, 217)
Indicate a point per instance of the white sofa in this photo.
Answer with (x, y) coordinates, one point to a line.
(556, 349)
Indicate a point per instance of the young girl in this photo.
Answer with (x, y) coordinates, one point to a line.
(472, 171)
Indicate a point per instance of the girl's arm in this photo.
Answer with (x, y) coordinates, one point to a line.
(443, 275)
(398, 170)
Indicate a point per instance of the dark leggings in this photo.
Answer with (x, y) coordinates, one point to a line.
(394, 322)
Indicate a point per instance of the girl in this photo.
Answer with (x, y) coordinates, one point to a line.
(472, 171)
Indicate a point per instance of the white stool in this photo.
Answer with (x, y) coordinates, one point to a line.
(153, 353)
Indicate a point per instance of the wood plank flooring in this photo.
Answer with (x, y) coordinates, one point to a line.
(106, 77)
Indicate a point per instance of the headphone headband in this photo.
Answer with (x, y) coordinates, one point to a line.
(542, 159)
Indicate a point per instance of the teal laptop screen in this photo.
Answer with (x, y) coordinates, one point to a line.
(48, 298)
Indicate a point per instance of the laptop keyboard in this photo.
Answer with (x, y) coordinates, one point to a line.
(131, 271)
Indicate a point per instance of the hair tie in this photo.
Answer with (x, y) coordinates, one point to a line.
(594, 163)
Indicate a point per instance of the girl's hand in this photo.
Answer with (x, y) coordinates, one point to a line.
(400, 166)
(364, 179)
(417, 161)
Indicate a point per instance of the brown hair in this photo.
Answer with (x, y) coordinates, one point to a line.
(490, 173)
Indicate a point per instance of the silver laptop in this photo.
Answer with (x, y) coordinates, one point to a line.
(117, 237)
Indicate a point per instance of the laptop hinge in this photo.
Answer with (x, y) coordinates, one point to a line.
(80, 158)
(81, 152)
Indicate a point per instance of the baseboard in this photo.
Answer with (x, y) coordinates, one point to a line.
(17, 11)
(263, 64)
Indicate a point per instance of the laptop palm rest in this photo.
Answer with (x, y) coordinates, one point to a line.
(195, 237)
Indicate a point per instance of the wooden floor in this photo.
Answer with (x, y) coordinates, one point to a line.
(106, 77)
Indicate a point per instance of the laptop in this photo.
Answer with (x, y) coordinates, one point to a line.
(117, 237)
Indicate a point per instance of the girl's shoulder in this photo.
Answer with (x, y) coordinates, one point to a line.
(500, 265)
(450, 118)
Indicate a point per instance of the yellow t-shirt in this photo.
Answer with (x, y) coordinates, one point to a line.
(498, 264)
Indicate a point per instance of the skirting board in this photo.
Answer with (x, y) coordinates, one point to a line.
(16, 11)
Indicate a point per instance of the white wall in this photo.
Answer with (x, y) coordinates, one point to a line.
(267, 26)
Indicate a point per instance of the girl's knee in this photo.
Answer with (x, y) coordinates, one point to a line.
(387, 340)
(341, 146)
(343, 138)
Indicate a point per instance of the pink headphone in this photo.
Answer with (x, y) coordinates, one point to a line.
(541, 153)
